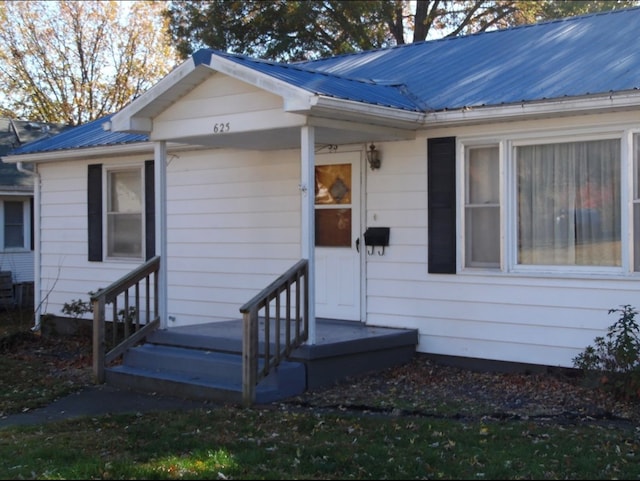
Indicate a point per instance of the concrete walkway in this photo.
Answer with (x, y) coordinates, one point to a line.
(100, 400)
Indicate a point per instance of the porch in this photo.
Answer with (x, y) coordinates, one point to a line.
(205, 361)
(263, 357)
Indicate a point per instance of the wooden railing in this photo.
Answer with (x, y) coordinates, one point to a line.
(269, 306)
(133, 311)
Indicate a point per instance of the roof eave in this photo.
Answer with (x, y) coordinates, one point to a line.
(16, 191)
(136, 117)
(81, 153)
(103, 151)
(610, 102)
(323, 106)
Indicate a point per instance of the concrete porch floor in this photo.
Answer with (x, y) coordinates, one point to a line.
(342, 348)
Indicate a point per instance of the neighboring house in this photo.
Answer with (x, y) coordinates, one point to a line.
(508, 181)
(16, 211)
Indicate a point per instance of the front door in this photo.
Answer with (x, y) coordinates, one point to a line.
(337, 226)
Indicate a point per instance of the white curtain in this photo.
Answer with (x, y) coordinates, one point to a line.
(569, 203)
(482, 208)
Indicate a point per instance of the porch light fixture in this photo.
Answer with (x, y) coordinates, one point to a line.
(373, 157)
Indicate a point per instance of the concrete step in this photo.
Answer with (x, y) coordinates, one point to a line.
(171, 384)
(200, 374)
(194, 363)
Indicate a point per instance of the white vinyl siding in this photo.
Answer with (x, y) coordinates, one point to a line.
(541, 316)
(223, 105)
(234, 227)
(66, 272)
(233, 219)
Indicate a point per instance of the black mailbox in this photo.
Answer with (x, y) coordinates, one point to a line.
(376, 236)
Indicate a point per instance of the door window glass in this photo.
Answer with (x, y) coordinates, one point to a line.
(333, 205)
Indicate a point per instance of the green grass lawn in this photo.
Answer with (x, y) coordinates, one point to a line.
(283, 441)
(237, 443)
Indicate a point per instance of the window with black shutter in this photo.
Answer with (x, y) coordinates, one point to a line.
(441, 211)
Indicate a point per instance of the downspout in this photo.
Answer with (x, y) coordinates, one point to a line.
(36, 242)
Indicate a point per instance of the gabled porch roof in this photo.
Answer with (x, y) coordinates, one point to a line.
(578, 64)
(311, 96)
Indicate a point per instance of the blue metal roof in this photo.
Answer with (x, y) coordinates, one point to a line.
(90, 134)
(576, 56)
(572, 57)
(388, 94)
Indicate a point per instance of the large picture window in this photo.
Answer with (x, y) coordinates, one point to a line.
(562, 207)
(568, 204)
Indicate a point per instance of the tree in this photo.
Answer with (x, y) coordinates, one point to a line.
(280, 29)
(286, 30)
(72, 62)
(569, 8)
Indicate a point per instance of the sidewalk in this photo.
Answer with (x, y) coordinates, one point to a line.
(99, 400)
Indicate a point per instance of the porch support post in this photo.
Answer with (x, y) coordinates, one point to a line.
(307, 189)
(160, 172)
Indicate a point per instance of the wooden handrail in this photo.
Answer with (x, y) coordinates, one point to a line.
(252, 373)
(129, 280)
(129, 316)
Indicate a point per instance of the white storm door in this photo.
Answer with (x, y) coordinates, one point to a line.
(337, 226)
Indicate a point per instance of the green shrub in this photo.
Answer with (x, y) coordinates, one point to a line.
(77, 307)
(613, 359)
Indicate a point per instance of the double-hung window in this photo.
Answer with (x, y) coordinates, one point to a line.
(14, 224)
(482, 207)
(121, 211)
(551, 205)
(124, 213)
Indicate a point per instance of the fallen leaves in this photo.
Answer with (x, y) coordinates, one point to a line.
(425, 388)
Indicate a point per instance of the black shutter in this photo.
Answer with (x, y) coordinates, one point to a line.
(94, 214)
(31, 222)
(441, 194)
(149, 209)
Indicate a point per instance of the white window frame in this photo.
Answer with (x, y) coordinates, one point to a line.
(26, 225)
(629, 171)
(107, 171)
(633, 183)
(461, 187)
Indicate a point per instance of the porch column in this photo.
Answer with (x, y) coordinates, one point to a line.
(307, 189)
(160, 172)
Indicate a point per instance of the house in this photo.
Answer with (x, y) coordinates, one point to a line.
(16, 212)
(470, 223)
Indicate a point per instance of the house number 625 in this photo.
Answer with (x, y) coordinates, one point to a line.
(221, 128)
